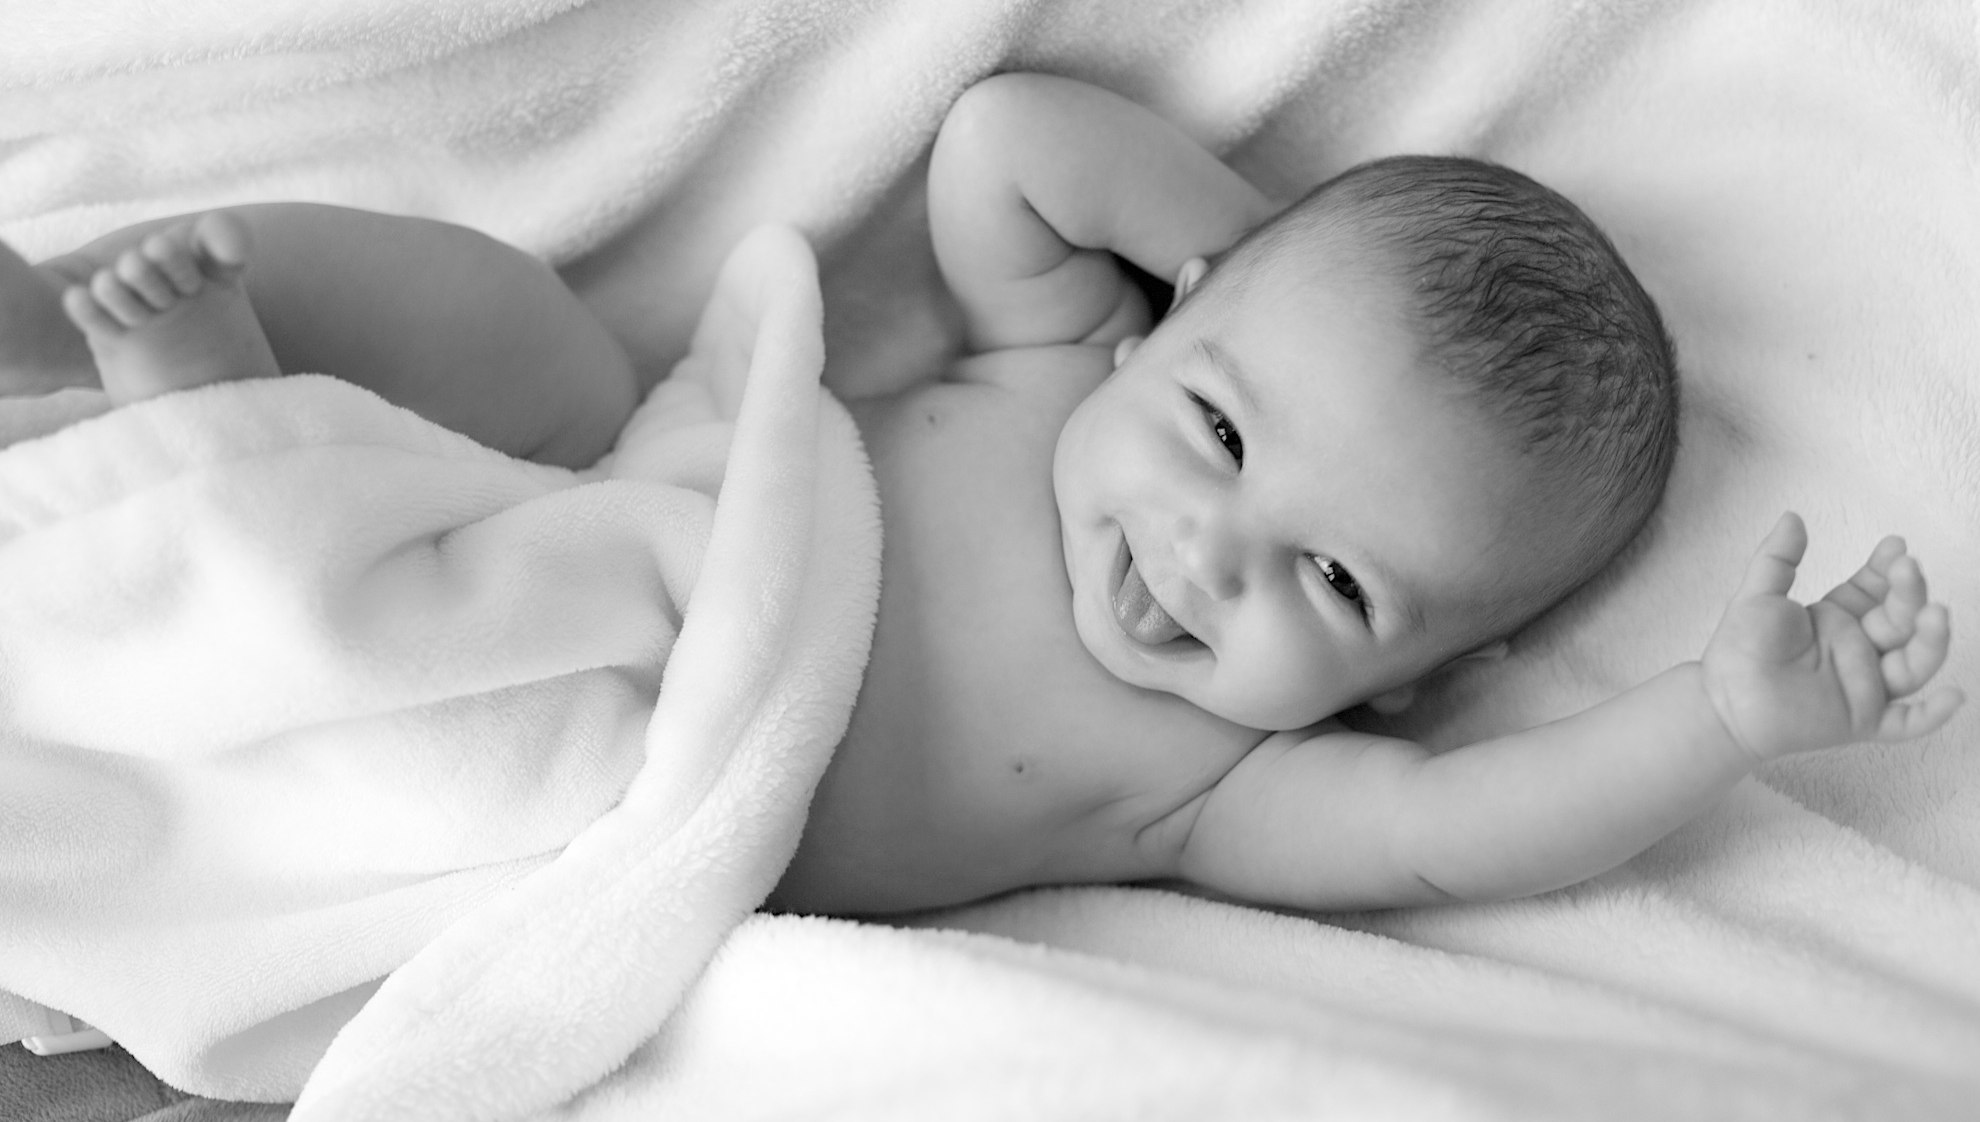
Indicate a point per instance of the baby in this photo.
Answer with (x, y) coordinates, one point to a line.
(1132, 574)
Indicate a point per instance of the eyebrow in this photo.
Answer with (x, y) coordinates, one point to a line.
(1241, 383)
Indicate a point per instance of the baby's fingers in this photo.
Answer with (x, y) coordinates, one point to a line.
(1867, 588)
(1771, 572)
(1906, 720)
(1890, 623)
(1908, 666)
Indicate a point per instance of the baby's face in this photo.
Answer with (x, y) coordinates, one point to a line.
(1271, 511)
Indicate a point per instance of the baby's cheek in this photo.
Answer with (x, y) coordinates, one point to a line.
(1306, 675)
(1128, 434)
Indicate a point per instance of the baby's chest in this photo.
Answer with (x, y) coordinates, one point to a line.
(979, 686)
(955, 454)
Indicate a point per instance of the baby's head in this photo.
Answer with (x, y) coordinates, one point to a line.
(1390, 427)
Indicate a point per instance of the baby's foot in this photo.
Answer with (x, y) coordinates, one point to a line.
(39, 351)
(170, 313)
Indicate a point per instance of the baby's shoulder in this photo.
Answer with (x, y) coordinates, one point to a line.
(996, 395)
(1060, 372)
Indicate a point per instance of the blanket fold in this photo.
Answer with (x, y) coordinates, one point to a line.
(366, 698)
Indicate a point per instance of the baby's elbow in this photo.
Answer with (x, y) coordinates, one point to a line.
(1426, 892)
(970, 154)
(982, 113)
(997, 114)
(1001, 93)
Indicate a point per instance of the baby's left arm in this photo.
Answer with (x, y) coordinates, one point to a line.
(1348, 820)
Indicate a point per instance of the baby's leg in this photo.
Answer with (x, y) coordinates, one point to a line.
(468, 332)
(170, 313)
(39, 351)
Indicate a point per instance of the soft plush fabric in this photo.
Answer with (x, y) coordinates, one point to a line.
(1793, 180)
(302, 691)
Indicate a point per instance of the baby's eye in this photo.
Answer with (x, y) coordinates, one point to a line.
(1341, 581)
(1222, 428)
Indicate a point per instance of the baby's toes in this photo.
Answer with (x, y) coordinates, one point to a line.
(88, 315)
(142, 276)
(118, 299)
(172, 254)
(223, 244)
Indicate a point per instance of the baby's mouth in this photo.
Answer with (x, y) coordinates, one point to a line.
(1141, 616)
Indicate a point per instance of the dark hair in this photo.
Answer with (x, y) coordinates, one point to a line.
(1532, 312)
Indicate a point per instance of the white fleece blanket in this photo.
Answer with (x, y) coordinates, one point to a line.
(308, 691)
(1793, 179)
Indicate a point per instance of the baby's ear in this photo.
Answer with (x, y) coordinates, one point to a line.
(1395, 701)
(1187, 277)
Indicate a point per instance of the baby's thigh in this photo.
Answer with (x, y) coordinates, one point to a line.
(344, 291)
(339, 290)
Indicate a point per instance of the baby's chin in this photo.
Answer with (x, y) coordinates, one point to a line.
(1196, 682)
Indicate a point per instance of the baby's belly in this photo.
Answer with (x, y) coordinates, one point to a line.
(988, 750)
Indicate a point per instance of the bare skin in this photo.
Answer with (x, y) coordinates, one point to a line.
(171, 312)
(1019, 722)
(967, 772)
(470, 333)
(40, 350)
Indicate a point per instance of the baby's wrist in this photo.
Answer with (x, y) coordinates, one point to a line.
(1713, 707)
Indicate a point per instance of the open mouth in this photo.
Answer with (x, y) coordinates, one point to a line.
(1141, 616)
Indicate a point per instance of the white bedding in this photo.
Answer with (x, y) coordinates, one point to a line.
(345, 755)
(1794, 181)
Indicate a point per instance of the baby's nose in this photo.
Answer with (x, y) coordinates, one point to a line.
(1208, 553)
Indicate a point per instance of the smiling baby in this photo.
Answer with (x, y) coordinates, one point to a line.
(1134, 572)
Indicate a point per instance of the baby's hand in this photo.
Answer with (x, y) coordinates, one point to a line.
(1788, 678)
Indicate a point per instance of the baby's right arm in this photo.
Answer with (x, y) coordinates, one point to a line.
(1348, 820)
(1035, 179)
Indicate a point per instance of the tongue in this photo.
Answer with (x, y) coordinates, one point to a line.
(1141, 617)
